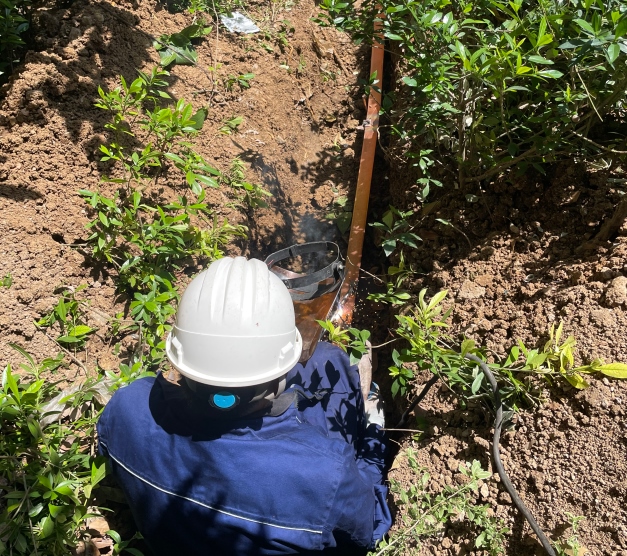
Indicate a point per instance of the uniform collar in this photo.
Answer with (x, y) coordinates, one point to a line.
(177, 410)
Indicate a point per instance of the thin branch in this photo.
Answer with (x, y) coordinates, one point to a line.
(401, 430)
(502, 166)
(67, 352)
(372, 276)
(606, 149)
(588, 93)
(386, 343)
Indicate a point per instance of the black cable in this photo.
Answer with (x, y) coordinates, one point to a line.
(417, 400)
(498, 423)
(496, 455)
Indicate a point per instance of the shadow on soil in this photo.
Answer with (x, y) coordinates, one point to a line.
(551, 221)
(78, 49)
(289, 226)
(19, 194)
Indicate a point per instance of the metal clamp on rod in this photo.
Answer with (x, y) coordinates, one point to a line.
(308, 286)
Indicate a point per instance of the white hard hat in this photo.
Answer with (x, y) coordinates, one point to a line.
(235, 326)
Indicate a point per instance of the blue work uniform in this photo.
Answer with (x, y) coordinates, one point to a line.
(307, 480)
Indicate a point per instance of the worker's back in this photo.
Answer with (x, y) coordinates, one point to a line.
(273, 485)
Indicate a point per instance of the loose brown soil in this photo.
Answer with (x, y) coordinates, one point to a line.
(530, 261)
(298, 139)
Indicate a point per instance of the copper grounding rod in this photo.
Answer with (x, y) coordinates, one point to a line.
(362, 193)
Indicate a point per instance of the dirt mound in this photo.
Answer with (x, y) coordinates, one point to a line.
(518, 258)
(297, 138)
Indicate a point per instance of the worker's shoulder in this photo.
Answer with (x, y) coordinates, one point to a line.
(133, 393)
(312, 440)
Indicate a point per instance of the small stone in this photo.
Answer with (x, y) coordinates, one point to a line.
(470, 290)
(603, 275)
(603, 317)
(485, 491)
(576, 277)
(484, 325)
(505, 498)
(487, 252)
(461, 479)
(616, 292)
(99, 525)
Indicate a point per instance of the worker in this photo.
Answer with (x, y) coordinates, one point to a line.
(250, 452)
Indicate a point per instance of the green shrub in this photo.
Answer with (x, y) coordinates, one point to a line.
(148, 241)
(13, 24)
(427, 515)
(46, 469)
(490, 85)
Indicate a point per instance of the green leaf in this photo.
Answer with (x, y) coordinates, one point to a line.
(98, 472)
(61, 310)
(47, 527)
(612, 52)
(621, 28)
(410, 81)
(476, 384)
(65, 490)
(20, 544)
(388, 219)
(467, 346)
(68, 339)
(9, 380)
(615, 370)
(546, 39)
(553, 74)
(167, 57)
(437, 299)
(395, 387)
(80, 330)
(55, 510)
(512, 357)
(207, 180)
(480, 541)
(34, 428)
(539, 60)
(199, 118)
(577, 381)
(35, 510)
(388, 246)
(192, 31)
(343, 221)
(585, 26)
(115, 536)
